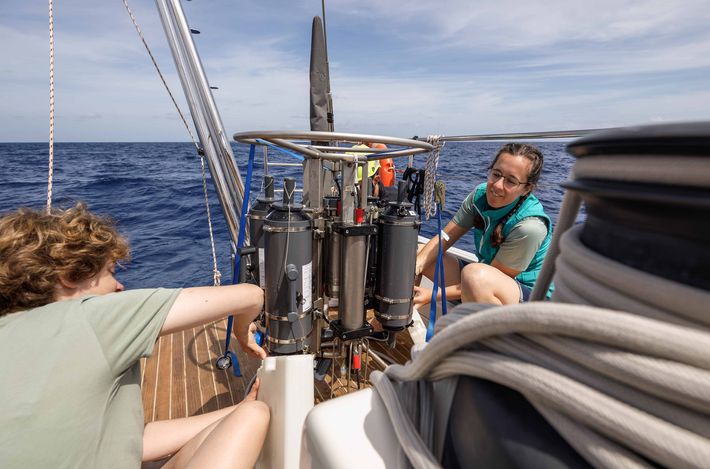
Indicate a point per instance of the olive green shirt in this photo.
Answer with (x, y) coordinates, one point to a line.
(70, 393)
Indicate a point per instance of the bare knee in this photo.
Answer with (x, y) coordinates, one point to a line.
(256, 412)
(476, 283)
(475, 274)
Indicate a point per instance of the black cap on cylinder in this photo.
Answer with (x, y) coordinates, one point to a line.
(289, 189)
(269, 186)
(401, 191)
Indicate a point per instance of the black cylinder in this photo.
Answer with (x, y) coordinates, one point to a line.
(256, 222)
(288, 275)
(396, 259)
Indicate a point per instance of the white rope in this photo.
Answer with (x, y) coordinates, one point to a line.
(430, 168)
(50, 176)
(217, 276)
(679, 350)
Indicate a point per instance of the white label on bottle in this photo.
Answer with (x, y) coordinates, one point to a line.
(262, 269)
(306, 283)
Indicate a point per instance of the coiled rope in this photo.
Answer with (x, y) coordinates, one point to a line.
(624, 388)
(216, 274)
(431, 166)
(50, 176)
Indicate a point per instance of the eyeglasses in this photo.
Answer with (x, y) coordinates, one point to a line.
(509, 182)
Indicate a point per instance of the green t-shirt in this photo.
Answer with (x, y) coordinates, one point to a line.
(70, 394)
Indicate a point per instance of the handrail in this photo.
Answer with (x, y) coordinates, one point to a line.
(290, 140)
(519, 135)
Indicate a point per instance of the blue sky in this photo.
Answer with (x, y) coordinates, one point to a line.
(397, 68)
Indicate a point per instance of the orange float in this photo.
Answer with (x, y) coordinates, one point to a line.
(387, 175)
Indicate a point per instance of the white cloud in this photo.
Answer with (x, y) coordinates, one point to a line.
(420, 67)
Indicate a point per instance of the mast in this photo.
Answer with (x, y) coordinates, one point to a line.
(208, 123)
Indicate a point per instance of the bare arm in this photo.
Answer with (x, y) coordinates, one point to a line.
(427, 257)
(202, 305)
(512, 273)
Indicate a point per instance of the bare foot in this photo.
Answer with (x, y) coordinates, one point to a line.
(254, 391)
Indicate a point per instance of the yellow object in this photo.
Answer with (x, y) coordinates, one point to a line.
(372, 166)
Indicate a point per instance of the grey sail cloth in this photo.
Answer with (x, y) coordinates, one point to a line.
(321, 101)
(625, 389)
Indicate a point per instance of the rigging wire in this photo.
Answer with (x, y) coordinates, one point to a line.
(162, 78)
(216, 274)
(50, 176)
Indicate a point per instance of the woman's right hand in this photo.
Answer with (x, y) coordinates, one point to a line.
(248, 342)
(422, 296)
(418, 267)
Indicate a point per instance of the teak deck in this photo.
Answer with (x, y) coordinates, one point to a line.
(180, 379)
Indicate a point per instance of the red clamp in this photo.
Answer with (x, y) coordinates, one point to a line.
(359, 215)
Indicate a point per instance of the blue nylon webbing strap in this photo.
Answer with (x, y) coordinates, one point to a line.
(282, 150)
(237, 257)
(439, 278)
(442, 271)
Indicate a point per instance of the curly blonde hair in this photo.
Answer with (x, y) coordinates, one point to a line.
(38, 249)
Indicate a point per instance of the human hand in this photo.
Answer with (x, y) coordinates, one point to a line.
(418, 267)
(248, 342)
(422, 296)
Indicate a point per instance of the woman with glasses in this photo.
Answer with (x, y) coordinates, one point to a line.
(511, 232)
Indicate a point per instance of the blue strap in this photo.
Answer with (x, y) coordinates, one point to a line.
(278, 148)
(238, 258)
(439, 278)
(442, 271)
(432, 303)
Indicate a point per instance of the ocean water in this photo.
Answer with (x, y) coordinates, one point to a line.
(154, 192)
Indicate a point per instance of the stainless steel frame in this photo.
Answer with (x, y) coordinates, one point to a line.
(208, 123)
(520, 135)
(300, 141)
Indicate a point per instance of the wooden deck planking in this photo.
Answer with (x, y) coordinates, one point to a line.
(163, 389)
(150, 377)
(181, 378)
(193, 390)
(178, 398)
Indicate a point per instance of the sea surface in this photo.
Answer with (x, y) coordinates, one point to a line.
(154, 192)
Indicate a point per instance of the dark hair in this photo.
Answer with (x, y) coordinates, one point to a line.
(39, 248)
(516, 149)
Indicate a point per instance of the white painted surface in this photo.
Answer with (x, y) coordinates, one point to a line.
(287, 388)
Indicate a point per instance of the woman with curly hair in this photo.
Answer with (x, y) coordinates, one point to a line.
(511, 232)
(78, 403)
